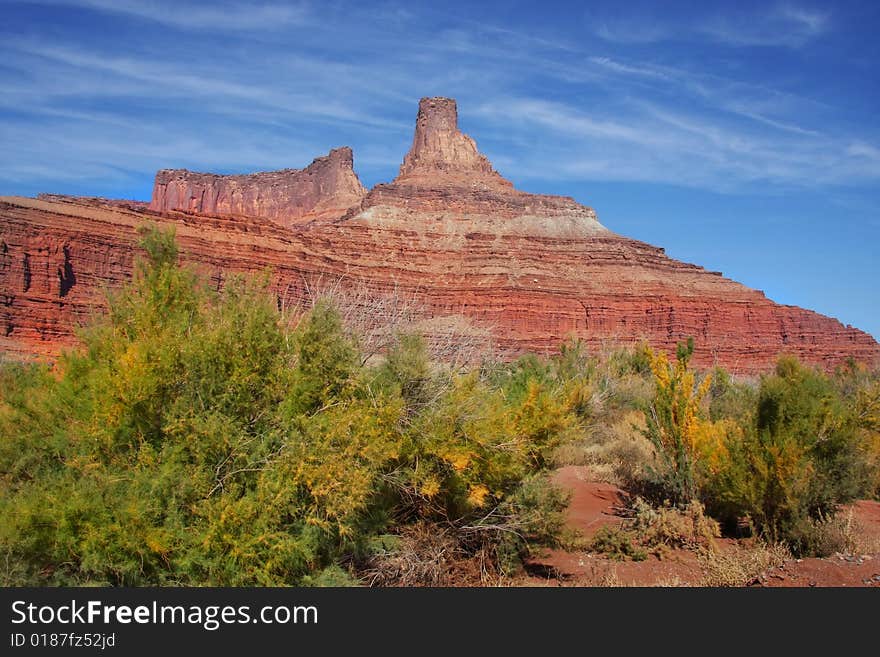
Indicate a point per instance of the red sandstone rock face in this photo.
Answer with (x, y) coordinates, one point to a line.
(440, 150)
(446, 185)
(323, 190)
(530, 269)
(530, 293)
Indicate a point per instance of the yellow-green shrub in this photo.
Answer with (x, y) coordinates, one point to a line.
(803, 455)
(197, 439)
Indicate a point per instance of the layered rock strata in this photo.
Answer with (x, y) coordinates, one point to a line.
(56, 259)
(324, 189)
(450, 233)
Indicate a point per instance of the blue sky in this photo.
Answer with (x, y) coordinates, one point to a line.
(740, 136)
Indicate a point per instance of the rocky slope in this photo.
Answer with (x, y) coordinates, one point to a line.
(449, 232)
(325, 188)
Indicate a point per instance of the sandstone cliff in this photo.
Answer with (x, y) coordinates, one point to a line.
(324, 189)
(440, 150)
(530, 269)
(446, 185)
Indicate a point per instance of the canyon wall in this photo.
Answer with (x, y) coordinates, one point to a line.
(449, 233)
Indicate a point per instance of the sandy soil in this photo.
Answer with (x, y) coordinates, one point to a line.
(596, 504)
(839, 570)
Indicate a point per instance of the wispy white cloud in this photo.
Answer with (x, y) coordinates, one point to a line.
(632, 31)
(565, 119)
(193, 80)
(752, 101)
(530, 40)
(76, 150)
(782, 25)
(216, 16)
(811, 21)
(616, 66)
(863, 150)
(651, 143)
(604, 116)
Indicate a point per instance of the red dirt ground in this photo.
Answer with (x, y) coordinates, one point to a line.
(593, 503)
(596, 504)
(839, 570)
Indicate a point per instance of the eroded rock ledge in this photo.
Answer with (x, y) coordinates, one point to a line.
(324, 189)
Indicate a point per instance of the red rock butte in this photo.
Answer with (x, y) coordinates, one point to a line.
(529, 270)
(325, 188)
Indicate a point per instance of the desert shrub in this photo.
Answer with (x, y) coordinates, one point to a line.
(802, 402)
(677, 427)
(618, 543)
(765, 479)
(828, 535)
(573, 361)
(326, 360)
(492, 546)
(533, 515)
(635, 360)
(469, 450)
(802, 457)
(740, 565)
(197, 438)
(406, 366)
(516, 377)
(860, 387)
(165, 424)
(665, 527)
(616, 450)
(731, 399)
(424, 554)
(622, 378)
(648, 529)
(607, 394)
(782, 455)
(626, 394)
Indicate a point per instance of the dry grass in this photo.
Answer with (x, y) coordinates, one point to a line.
(430, 555)
(866, 543)
(741, 564)
(378, 315)
(616, 453)
(604, 575)
(841, 534)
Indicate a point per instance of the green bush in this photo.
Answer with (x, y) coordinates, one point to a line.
(731, 399)
(533, 515)
(197, 439)
(800, 458)
(618, 543)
